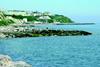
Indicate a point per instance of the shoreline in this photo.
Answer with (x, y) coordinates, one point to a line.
(23, 30)
(6, 61)
(75, 23)
(40, 33)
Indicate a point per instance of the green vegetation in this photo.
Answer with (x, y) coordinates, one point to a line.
(29, 18)
(5, 22)
(61, 19)
(53, 18)
(35, 16)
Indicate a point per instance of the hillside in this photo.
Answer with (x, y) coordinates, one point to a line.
(45, 17)
(4, 21)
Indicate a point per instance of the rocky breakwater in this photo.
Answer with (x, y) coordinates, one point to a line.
(38, 33)
(60, 32)
(6, 61)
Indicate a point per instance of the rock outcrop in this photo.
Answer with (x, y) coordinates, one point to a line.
(39, 33)
(2, 35)
(6, 61)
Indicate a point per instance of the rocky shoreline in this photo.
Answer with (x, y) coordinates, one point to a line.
(39, 33)
(6, 61)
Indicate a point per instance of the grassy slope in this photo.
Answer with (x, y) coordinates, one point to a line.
(61, 19)
(4, 21)
(54, 18)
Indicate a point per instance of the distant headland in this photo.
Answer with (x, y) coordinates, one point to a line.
(16, 23)
(17, 16)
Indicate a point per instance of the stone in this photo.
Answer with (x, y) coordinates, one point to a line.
(2, 35)
(6, 61)
(21, 64)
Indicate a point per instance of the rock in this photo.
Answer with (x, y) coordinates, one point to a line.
(6, 61)
(21, 64)
(2, 35)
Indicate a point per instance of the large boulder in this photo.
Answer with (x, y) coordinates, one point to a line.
(6, 61)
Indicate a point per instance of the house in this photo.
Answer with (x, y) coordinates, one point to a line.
(36, 13)
(44, 17)
(37, 22)
(25, 20)
(56, 22)
(17, 12)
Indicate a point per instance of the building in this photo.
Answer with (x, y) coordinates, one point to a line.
(45, 18)
(25, 20)
(36, 13)
(37, 22)
(17, 12)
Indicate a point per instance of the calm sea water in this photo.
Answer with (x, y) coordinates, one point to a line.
(56, 51)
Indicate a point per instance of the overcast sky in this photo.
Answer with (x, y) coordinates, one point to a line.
(78, 10)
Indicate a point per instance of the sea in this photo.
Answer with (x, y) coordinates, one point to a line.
(56, 51)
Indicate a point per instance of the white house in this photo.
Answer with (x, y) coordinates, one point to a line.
(16, 12)
(37, 22)
(56, 22)
(25, 20)
(44, 17)
(36, 13)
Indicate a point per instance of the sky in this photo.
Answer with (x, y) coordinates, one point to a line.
(77, 10)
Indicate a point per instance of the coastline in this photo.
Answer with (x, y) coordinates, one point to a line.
(22, 30)
(6, 61)
(75, 24)
(40, 33)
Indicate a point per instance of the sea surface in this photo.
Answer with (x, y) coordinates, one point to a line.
(56, 51)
